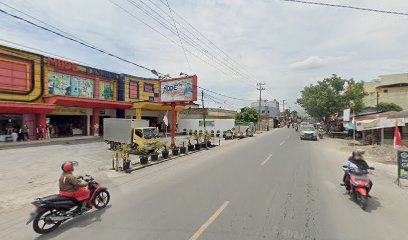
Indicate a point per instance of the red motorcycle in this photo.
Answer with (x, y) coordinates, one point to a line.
(55, 209)
(360, 185)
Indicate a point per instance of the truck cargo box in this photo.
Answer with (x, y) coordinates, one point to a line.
(120, 130)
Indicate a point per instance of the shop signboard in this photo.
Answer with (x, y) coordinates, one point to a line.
(69, 111)
(106, 90)
(379, 123)
(67, 85)
(403, 164)
(179, 89)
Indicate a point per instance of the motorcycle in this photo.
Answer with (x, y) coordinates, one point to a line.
(320, 133)
(359, 185)
(53, 210)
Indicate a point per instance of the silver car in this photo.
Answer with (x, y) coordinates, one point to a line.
(308, 132)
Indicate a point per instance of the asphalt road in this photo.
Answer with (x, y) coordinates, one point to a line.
(273, 186)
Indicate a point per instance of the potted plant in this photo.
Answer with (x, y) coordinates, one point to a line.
(224, 134)
(195, 132)
(198, 137)
(165, 152)
(175, 150)
(184, 131)
(143, 152)
(157, 145)
(200, 132)
(205, 136)
(218, 134)
(190, 132)
(190, 146)
(212, 133)
(208, 140)
(183, 149)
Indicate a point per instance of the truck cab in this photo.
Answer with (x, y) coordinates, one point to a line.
(145, 136)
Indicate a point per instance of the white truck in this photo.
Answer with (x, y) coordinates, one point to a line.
(128, 131)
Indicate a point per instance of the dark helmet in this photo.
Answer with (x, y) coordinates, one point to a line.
(69, 166)
(358, 153)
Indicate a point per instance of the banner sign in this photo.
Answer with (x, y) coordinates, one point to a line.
(68, 85)
(179, 89)
(379, 123)
(346, 115)
(403, 164)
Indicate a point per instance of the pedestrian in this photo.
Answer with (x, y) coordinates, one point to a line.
(24, 131)
(9, 127)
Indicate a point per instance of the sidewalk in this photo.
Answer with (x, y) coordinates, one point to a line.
(5, 145)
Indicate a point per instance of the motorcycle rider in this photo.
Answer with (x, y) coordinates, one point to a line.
(71, 186)
(356, 160)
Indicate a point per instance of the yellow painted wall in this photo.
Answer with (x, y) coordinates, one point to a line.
(143, 96)
(36, 93)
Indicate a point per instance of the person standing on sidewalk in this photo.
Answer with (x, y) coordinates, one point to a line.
(24, 132)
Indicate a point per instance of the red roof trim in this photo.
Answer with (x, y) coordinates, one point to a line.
(86, 102)
(26, 108)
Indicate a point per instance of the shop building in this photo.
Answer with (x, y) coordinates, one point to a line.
(144, 95)
(21, 89)
(82, 95)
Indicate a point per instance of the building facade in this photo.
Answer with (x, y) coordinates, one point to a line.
(388, 88)
(269, 109)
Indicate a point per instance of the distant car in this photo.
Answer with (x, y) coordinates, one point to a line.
(308, 132)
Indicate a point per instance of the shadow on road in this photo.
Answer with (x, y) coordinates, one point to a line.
(373, 204)
(78, 222)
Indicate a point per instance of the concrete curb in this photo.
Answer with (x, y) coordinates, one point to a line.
(169, 159)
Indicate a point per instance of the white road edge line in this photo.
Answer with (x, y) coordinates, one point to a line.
(267, 159)
(282, 143)
(209, 221)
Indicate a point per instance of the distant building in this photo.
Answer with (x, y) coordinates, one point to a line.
(268, 108)
(391, 88)
(215, 119)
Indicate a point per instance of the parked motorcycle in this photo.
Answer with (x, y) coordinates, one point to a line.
(359, 185)
(53, 210)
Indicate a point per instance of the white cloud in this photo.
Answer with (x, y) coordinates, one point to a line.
(317, 62)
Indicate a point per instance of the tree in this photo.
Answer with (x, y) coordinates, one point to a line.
(248, 114)
(387, 106)
(326, 97)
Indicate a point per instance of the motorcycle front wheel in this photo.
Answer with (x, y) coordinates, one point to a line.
(42, 223)
(101, 199)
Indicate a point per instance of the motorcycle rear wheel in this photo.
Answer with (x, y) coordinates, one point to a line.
(101, 199)
(42, 216)
(361, 200)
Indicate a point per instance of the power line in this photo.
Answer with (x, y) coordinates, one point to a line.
(154, 29)
(208, 40)
(166, 24)
(349, 7)
(82, 43)
(178, 34)
(74, 40)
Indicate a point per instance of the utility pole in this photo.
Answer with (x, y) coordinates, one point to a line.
(283, 107)
(260, 88)
(378, 97)
(202, 102)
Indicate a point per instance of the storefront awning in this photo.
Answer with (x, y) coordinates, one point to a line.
(379, 123)
(86, 103)
(26, 108)
(154, 106)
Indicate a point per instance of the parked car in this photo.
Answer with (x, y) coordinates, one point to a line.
(308, 132)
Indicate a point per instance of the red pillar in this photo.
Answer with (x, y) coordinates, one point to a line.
(42, 127)
(173, 124)
(95, 117)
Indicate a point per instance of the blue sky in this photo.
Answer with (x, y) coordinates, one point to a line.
(286, 45)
